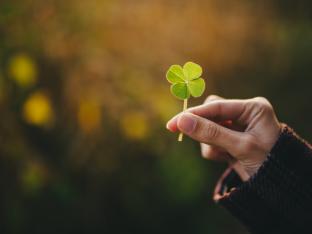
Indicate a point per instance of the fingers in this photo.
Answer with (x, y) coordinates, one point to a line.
(220, 109)
(171, 125)
(209, 151)
(208, 132)
(217, 110)
(211, 98)
(240, 170)
(214, 153)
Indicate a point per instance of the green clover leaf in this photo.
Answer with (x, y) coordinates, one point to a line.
(186, 81)
(175, 74)
(192, 71)
(180, 90)
(196, 87)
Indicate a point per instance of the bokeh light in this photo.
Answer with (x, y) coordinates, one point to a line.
(37, 109)
(89, 116)
(23, 70)
(134, 125)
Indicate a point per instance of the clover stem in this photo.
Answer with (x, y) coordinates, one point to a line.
(180, 138)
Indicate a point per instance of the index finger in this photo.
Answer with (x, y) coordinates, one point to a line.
(218, 110)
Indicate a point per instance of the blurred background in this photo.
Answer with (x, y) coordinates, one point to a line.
(84, 102)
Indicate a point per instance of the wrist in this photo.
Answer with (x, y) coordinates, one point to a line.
(262, 148)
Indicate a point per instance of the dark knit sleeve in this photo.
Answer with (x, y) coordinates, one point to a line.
(278, 198)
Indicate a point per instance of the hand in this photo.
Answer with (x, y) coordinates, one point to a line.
(242, 130)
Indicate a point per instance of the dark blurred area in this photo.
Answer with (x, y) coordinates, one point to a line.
(84, 102)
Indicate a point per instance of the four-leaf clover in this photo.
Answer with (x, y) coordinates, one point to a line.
(186, 81)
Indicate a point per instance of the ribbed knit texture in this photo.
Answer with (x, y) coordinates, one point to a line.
(278, 198)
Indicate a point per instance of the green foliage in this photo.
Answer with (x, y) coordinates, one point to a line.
(196, 87)
(175, 74)
(192, 71)
(183, 181)
(186, 81)
(180, 90)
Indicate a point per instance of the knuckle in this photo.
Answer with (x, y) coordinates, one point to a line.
(206, 152)
(212, 97)
(211, 131)
(262, 104)
(209, 152)
(260, 99)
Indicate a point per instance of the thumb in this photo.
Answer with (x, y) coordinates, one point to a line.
(209, 132)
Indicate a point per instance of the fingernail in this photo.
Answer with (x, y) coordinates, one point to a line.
(167, 126)
(187, 123)
(171, 123)
(172, 119)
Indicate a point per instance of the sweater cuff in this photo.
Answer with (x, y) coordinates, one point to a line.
(279, 192)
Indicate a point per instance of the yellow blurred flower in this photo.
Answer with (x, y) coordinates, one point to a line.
(89, 115)
(134, 125)
(37, 110)
(23, 70)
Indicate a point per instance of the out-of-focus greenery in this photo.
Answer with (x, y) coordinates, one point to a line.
(84, 102)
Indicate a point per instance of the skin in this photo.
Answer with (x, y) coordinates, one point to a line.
(241, 132)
